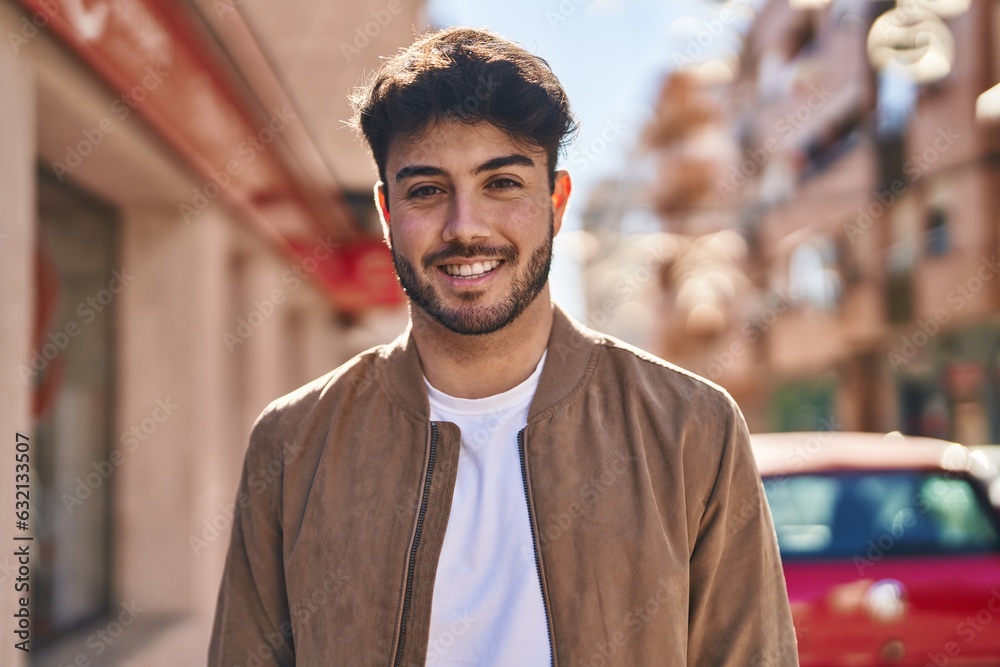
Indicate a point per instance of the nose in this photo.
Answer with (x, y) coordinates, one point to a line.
(466, 222)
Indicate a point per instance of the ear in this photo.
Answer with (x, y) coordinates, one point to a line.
(560, 198)
(382, 204)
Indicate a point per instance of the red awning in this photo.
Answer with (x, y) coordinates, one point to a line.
(254, 155)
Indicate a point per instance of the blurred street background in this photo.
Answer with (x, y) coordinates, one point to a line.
(797, 199)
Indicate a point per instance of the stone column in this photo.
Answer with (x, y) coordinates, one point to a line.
(173, 389)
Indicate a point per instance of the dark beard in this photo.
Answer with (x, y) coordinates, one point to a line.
(472, 321)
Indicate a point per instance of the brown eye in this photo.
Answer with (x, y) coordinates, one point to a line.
(423, 192)
(504, 184)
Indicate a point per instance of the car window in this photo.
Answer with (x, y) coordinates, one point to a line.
(889, 513)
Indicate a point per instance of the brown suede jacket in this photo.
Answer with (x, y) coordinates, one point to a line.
(653, 542)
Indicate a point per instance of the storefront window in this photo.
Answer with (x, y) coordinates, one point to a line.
(74, 403)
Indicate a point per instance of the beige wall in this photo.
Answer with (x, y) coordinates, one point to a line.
(952, 103)
(192, 286)
(945, 148)
(17, 246)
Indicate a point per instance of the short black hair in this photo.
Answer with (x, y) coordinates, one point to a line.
(469, 75)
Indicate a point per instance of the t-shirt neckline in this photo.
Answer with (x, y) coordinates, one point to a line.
(512, 398)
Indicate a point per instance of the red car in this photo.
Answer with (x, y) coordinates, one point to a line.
(890, 546)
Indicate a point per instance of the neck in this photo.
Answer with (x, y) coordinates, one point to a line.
(479, 366)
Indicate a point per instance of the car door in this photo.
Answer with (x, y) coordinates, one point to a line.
(895, 567)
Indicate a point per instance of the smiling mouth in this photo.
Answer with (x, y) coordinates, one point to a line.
(470, 271)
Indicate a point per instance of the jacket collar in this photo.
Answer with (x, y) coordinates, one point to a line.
(572, 355)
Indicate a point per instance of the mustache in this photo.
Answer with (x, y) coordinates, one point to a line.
(466, 251)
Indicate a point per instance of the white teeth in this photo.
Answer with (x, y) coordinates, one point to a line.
(471, 270)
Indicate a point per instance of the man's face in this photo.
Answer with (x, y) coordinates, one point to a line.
(470, 221)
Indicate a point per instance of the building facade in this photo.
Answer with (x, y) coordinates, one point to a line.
(865, 194)
(183, 239)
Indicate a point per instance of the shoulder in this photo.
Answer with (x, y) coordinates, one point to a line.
(690, 415)
(617, 373)
(683, 422)
(630, 365)
(320, 397)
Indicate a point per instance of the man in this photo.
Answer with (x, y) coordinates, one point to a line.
(500, 485)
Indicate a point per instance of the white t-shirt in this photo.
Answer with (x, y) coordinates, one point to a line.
(487, 607)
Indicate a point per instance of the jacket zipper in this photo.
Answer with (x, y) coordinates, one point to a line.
(413, 548)
(534, 543)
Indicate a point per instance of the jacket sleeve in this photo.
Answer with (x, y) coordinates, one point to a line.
(252, 620)
(739, 614)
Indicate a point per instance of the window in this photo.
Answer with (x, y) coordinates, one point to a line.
(74, 405)
(802, 36)
(902, 513)
(936, 232)
(813, 274)
(899, 282)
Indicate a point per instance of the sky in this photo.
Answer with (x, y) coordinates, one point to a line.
(611, 57)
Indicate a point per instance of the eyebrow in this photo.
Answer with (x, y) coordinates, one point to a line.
(417, 170)
(515, 159)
